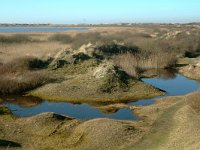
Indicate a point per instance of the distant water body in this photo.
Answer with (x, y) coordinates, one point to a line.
(36, 29)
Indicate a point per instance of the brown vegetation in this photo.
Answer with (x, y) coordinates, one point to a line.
(113, 49)
(133, 64)
(85, 38)
(22, 75)
(16, 38)
(194, 102)
(159, 40)
(63, 38)
(171, 119)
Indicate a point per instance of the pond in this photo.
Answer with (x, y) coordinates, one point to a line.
(37, 29)
(28, 106)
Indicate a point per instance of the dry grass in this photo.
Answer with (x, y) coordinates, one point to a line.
(85, 38)
(194, 102)
(111, 41)
(133, 64)
(38, 50)
(165, 39)
(16, 38)
(97, 37)
(22, 75)
(16, 84)
(63, 38)
(22, 65)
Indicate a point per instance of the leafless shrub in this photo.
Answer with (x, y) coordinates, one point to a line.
(22, 64)
(127, 62)
(114, 49)
(133, 64)
(20, 75)
(16, 84)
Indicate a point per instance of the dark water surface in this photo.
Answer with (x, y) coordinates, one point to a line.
(173, 85)
(44, 29)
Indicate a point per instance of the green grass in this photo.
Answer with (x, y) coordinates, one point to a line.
(4, 110)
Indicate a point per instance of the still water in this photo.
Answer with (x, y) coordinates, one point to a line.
(173, 85)
(45, 29)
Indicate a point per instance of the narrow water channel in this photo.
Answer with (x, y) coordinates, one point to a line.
(173, 85)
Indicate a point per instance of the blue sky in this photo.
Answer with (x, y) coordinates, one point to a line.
(101, 11)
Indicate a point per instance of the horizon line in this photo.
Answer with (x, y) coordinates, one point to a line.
(195, 22)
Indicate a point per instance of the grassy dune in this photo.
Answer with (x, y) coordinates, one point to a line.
(173, 124)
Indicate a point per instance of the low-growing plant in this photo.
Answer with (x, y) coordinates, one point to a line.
(4, 110)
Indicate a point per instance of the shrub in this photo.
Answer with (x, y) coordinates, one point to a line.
(114, 49)
(133, 64)
(128, 63)
(22, 64)
(20, 75)
(17, 84)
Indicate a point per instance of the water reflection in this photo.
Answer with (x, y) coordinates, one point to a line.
(80, 111)
(179, 85)
(165, 74)
(172, 83)
(22, 101)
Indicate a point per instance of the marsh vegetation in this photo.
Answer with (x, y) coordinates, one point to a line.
(21, 75)
(133, 51)
(102, 67)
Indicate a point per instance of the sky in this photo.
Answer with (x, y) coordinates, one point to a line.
(99, 11)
